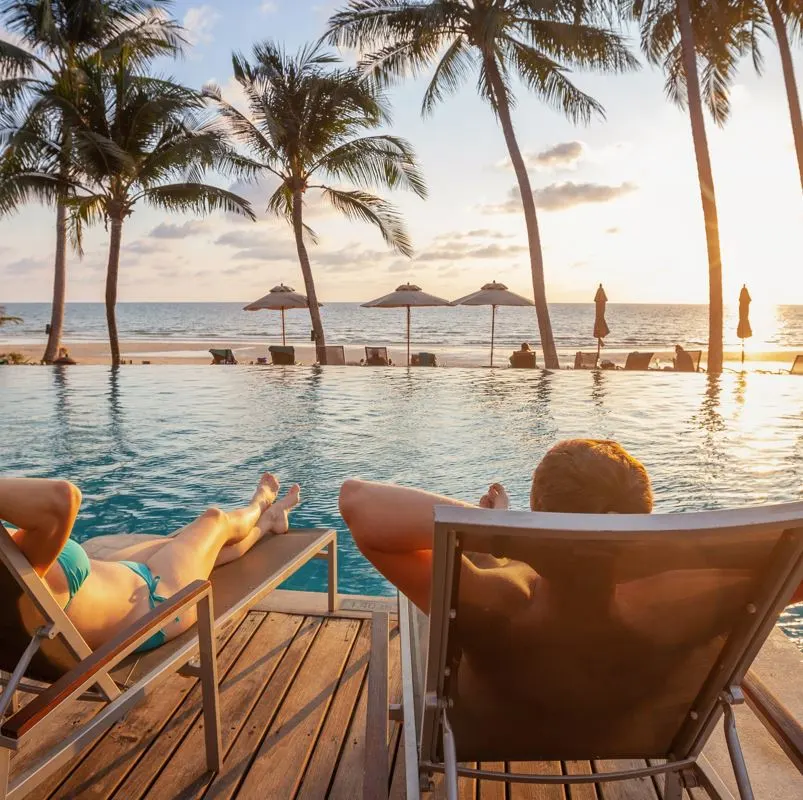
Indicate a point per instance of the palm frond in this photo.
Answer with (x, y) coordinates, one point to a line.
(451, 71)
(84, 211)
(197, 198)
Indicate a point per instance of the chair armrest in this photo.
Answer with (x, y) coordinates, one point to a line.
(375, 774)
(775, 717)
(102, 659)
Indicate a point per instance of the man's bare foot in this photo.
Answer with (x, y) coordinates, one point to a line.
(495, 498)
(276, 518)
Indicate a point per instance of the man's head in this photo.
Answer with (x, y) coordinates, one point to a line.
(591, 476)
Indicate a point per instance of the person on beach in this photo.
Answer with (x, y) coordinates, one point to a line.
(103, 596)
(683, 360)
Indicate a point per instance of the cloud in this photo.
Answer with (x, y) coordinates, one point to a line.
(248, 237)
(265, 252)
(199, 21)
(144, 247)
(268, 7)
(456, 251)
(560, 196)
(25, 265)
(564, 155)
(171, 231)
(477, 233)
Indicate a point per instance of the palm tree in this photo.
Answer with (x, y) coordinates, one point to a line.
(305, 117)
(55, 34)
(679, 35)
(534, 40)
(137, 138)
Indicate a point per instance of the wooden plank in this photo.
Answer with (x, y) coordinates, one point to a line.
(347, 783)
(536, 791)
(375, 770)
(394, 694)
(321, 769)
(133, 752)
(492, 790)
(635, 789)
(185, 773)
(284, 753)
(579, 791)
(398, 779)
(241, 753)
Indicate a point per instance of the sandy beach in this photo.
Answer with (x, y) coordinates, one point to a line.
(138, 352)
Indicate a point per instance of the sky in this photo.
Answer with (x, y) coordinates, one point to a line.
(618, 201)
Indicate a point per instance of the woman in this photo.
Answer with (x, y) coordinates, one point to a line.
(103, 596)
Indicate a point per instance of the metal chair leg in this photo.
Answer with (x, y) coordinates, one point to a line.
(673, 786)
(331, 561)
(449, 759)
(737, 757)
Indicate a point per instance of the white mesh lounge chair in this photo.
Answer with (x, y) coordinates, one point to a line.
(619, 680)
(335, 355)
(636, 360)
(48, 657)
(585, 360)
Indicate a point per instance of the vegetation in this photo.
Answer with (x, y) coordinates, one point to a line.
(304, 118)
(5, 319)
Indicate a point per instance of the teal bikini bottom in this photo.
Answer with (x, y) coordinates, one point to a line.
(144, 572)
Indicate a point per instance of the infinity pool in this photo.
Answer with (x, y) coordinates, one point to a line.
(151, 447)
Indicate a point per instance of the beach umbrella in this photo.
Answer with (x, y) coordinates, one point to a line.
(744, 331)
(493, 294)
(408, 296)
(279, 298)
(601, 329)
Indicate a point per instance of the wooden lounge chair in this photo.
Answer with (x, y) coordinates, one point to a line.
(585, 360)
(636, 360)
(335, 355)
(376, 357)
(423, 360)
(282, 355)
(523, 359)
(695, 356)
(48, 657)
(797, 366)
(223, 356)
(629, 679)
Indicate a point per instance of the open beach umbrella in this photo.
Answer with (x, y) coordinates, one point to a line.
(408, 295)
(493, 294)
(279, 298)
(744, 331)
(601, 329)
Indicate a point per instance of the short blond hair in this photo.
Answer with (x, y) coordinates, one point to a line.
(591, 476)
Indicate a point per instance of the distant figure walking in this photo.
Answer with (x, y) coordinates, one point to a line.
(683, 360)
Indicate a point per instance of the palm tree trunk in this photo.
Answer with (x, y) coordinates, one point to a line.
(530, 217)
(59, 286)
(111, 287)
(306, 271)
(706, 180)
(789, 79)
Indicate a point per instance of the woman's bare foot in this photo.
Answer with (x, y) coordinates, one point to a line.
(244, 519)
(495, 498)
(276, 518)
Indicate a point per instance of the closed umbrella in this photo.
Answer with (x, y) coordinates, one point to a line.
(407, 296)
(601, 329)
(493, 294)
(279, 298)
(744, 331)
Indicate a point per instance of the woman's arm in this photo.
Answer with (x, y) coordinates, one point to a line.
(44, 511)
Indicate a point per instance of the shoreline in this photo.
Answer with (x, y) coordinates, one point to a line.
(166, 352)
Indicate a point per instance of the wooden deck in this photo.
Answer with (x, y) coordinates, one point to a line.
(293, 692)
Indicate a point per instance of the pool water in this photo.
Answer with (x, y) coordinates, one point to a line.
(152, 447)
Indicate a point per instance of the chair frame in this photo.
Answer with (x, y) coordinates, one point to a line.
(93, 678)
(386, 357)
(797, 366)
(425, 710)
(339, 352)
(630, 359)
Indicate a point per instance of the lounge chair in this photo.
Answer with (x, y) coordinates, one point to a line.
(282, 355)
(629, 680)
(50, 659)
(797, 366)
(638, 360)
(523, 359)
(223, 356)
(695, 356)
(585, 360)
(335, 355)
(423, 360)
(376, 357)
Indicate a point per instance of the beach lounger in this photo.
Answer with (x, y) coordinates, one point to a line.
(636, 360)
(646, 680)
(335, 355)
(223, 356)
(797, 366)
(695, 356)
(282, 355)
(423, 360)
(585, 360)
(376, 357)
(523, 359)
(51, 660)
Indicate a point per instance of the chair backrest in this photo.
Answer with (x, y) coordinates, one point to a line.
(642, 620)
(28, 605)
(376, 356)
(523, 359)
(585, 360)
(696, 357)
(220, 356)
(281, 354)
(797, 366)
(638, 360)
(335, 355)
(425, 360)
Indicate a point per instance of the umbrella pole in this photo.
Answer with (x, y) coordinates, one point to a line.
(599, 347)
(408, 336)
(742, 351)
(493, 327)
(284, 340)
